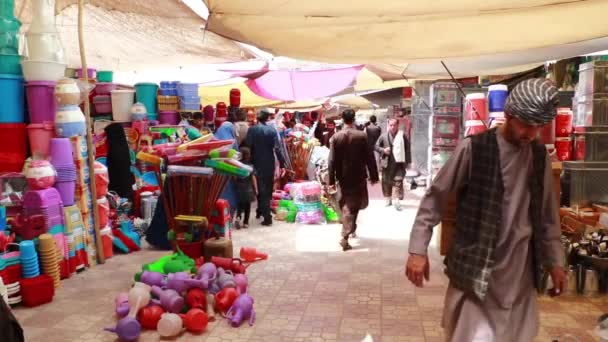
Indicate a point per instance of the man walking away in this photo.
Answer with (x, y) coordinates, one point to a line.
(373, 132)
(350, 160)
(507, 227)
(394, 149)
(263, 141)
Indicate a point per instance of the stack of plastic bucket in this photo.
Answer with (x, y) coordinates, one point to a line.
(189, 98)
(12, 127)
(146, 93)
(48, 256)
(9, 39)
(63, 161)
(122, 100)
(29, 259)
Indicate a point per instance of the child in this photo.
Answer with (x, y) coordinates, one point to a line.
(247, 189)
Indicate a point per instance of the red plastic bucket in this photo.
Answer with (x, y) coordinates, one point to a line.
(41, 101)
(192, 249)
(563, 149)
(563, 123)
(106, 239)
(13, 154)
(40, 135)
(103, 209)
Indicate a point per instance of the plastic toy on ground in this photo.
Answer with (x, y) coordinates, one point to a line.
(128, 328)
(196, 299)
(225, 298)
(182, 282)
(210, 307)
(176, 262)
(233, 264)
(250, 254)
(241, 310)
(225, 279)
(195, 320)
(152, 278)
(169, 299)
(122, 304)
(170, 325)
(241, 283)
(207, 273)
(149, 316)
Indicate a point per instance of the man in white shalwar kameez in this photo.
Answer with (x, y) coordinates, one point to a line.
(507, 226)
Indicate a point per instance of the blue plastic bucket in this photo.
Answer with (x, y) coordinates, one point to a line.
(497, 95)
(12, 91)
(10, 64)
(146, 93)
(187, 89)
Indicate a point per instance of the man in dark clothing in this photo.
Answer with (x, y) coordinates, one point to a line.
(393, 163)
(263, 141)
(373, 132)
(350, 159)
(10, 330)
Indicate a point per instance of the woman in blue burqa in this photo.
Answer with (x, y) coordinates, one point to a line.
(225, 132)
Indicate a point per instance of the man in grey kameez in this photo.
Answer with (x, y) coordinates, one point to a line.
(493, 263)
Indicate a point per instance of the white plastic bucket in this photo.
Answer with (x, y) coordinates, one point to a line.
(122, 100)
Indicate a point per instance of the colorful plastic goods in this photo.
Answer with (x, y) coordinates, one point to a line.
(196, 299)
(207, 273)
(168, 117)
(149, 158)
(195, 320)
(226, 168)
(105, 76)
(67, 92)
(146, 94)
(233, 264)
(190, 103)
(563, 148)
(170, 325)
(102, 179)
(225, 279)
(225, 298)
(61, 152)
(34, 70)
(241, 310)
(107, 241)
(497, 95)
(40, 175)
(103, 104)
(231, 153)
(10, 64)
(563, 123)
(149, 316)
(122, 100)
(13, 94)
(67, 191)
(127, 329)
(40, 135)
(122, 304)
(91, 73)
(476, 114)
(41, 101)
(235, 97)
(182, 282)
(241, 283)
(250, 254)
(36, 291)
(152, 278)
(70, 122)
(187, 89)
(105, 88)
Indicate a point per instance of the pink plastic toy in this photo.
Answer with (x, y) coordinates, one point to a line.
(241, 283)
(181, 282)
(152, 278)
(128, 328)
(241, 310)
(207, 273)
(225, 279)
(170, 300)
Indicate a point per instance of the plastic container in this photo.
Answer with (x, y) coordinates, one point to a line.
(563, 149)
(105, 76)
(122, 100)
(105, 88)
(592, 144)
(593, 77)
(101, 179)
(235, 97)
(168, 117)
(579, 147)
(476, 114)
(10, 64)
(61, 152)
(43, 16)
(146, 93)
(187, 89)
(190, 103)
(12, 91)
(40, 135)
(91, 72)
(67, 190)
(497, 95)
(168, 88)
(152, 117)
(168, 103)
(40, 175)
(592, 110)
(35, 70)
(107, 241)
(12, 156)
(41, 101)
(37, 291)
(103, 104)
(103, 209)
(67, 92)
(70, 122)
(563, 122)
(45, 46)
(585, 183)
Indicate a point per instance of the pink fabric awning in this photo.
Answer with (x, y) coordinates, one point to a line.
(284, 85)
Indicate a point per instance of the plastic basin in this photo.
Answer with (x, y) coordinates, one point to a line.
(146, 93)
(42, 70)
(10, 64)
(13, 95)
(41, 101)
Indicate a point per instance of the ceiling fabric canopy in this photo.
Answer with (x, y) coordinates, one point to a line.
(137, 35)
(214, 94)
(420, 33)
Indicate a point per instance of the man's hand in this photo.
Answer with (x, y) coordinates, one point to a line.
(387, 151)
(560, 280)
(417, 269)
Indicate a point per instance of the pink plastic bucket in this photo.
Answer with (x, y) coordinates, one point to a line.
(41, 101)
(40, 135)
(103, 104)
(168, 117)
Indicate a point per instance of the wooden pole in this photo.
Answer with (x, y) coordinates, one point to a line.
(87, 114)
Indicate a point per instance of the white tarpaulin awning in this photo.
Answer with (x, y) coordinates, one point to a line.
(473, 36)
(137, 35)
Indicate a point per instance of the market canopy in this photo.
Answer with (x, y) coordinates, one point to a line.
(137, 34)
(473, 37)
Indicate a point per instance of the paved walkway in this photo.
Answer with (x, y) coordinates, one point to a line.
(308, 290)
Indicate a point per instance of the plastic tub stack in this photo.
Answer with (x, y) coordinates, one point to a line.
(446, 106)
(189, 99)
(168, 103)
(44, 66)
(102, 101)
(585, 179)
(146, 93)
(12, 126)
(103, 208)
